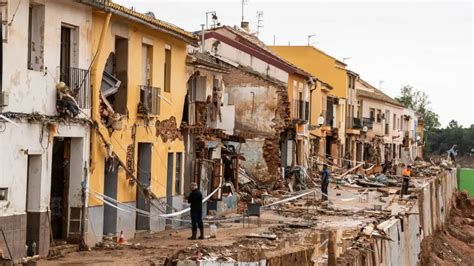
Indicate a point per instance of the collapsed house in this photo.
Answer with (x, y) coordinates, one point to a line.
(271, 99)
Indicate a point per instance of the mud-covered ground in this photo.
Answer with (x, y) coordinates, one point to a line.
(454, 244)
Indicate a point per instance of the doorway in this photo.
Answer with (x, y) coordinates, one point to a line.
(144, 176)
(169, 184)
(110, 190)
(60, 187)
(33, 217)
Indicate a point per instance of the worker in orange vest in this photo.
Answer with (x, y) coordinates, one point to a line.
(406, 173)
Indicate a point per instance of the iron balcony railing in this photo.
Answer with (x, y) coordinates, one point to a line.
(79, 82)
(368, 122)
(356, 123)
(149, 100)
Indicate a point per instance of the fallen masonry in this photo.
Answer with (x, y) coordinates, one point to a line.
(359, 226)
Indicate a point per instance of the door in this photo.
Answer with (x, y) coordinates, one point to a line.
(110, 190)
(33, 215)
(60, 187)
(144, 176)
(169, 184)
(65, 60)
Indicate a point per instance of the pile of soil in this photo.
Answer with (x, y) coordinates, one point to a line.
(454, 243)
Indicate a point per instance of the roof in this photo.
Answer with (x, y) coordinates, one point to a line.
(377, 94)
(147, 20)
(313, 48)
(254, 41)
(206, 61)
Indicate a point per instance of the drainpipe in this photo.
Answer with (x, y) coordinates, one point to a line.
(94, 114)
(96, 91)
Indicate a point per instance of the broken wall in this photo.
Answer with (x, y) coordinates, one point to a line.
(261, 113)
(415, 221)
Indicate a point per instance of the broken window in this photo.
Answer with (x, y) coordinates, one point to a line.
(115, 77)
(167, 69)
(149, 100)
(147, 60)
(36, 37)
(177, 182)
(149, 96)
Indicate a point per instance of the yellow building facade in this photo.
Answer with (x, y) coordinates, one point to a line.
(328, 101)
(138, 89)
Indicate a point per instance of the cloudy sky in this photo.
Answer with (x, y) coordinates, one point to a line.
(426, 44)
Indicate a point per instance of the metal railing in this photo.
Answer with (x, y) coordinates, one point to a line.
(356, 123)
(368, 122)
(79, 82)
(149, 100)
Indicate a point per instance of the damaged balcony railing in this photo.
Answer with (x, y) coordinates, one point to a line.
(149, 100)
(79, 82)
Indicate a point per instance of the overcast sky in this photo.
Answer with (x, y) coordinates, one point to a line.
(428, 45)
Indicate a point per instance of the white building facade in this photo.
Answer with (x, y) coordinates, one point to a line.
(44, 155)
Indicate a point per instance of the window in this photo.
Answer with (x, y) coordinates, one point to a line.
(379, 115)
(147, 61)
(372, 114)
(1, 52)
(167, 69)
(118, 64)
(394, 122)
(36, 38)
(178, 176)
(3, 193)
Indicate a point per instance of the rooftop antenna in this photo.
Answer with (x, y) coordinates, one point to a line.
(244, 2)
(345, 58)
(380, 84)
(274, 37)
(309, 38)
(259, 20)
(213, 17)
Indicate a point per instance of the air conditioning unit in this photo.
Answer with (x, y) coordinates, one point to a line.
(4, 99)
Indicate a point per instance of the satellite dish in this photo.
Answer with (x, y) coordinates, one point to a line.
(365, 129)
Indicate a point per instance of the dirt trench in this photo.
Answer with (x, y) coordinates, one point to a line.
(454, 243)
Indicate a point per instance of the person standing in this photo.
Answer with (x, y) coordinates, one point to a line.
(325, 183)
(195, 199)
(406, 173)
(452, 153)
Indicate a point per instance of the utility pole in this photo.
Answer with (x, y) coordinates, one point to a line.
(380, 84)
(259, 20)
(203, 41)
(243, 3)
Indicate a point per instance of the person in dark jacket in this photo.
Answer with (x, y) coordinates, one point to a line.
(195, 199)
(325, 183)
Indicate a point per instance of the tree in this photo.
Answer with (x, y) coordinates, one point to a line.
(419, 101)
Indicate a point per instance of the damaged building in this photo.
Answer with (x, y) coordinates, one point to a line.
(271, 99)
(328, 103)
(44, 126)
(207, 126)
(137, 149)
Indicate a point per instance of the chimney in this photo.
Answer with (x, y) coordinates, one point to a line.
(245, 26)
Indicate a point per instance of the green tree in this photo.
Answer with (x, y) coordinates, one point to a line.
(419, 101)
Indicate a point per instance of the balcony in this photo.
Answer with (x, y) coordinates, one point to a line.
(367, 122)
(149, 100)
(79, 82)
